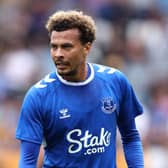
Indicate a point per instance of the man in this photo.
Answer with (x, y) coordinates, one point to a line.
(77, 109)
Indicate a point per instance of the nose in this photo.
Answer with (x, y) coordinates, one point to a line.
(58, 53)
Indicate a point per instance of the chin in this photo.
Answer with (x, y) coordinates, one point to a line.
(63, 73)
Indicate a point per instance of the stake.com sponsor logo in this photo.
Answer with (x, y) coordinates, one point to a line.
(91, 143)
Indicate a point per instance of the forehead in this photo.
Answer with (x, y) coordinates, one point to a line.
(71, 35)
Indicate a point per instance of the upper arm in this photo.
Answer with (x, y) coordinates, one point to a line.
(130, 106)
(128, 131)
(30, 122)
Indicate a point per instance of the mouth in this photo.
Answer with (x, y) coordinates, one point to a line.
(61, 65)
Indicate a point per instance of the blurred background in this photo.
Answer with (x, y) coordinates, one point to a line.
(132, 35)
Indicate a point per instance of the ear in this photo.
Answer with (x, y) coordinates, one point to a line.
(87, 48)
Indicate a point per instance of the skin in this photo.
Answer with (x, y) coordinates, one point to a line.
(69, 54)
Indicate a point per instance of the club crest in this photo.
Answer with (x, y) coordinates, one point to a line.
(108, 105)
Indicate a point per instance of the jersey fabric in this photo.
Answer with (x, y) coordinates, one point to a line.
(78, 120)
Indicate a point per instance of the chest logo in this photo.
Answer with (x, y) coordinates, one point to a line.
(64, 113)
(108, 105)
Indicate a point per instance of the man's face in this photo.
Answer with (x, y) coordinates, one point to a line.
(68, 53)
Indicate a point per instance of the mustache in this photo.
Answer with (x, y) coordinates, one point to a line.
(61, 62)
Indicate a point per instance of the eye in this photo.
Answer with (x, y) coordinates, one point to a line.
(67, 46)
(53, 46)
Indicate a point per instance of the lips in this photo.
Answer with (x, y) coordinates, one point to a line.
(61, 65)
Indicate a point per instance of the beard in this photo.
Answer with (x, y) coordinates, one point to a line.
(67, 73)
(66, 70)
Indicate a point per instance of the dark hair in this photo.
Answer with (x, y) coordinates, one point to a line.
(64, 20)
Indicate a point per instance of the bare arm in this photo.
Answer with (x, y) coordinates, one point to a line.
(40, 158)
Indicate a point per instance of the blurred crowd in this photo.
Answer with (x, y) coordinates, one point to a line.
(132, 35)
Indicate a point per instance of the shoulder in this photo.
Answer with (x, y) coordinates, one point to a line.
(109, 73)
(45, 82)
(112, 77)
(43, 86)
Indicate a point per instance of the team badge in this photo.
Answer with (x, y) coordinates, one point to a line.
(108, 105)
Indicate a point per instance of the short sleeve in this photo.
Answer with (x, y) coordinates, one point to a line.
(30, 122)
(130, 106)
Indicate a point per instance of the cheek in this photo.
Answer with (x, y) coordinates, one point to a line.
(51, 53)
(80, 55)
(78, 58)
(73, 55)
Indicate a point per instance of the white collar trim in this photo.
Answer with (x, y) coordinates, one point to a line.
(89, 79)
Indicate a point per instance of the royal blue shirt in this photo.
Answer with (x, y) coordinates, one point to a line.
(78, 120)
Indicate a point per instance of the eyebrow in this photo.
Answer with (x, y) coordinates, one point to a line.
(66, 44)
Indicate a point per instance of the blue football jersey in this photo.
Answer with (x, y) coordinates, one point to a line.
(78, 120)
